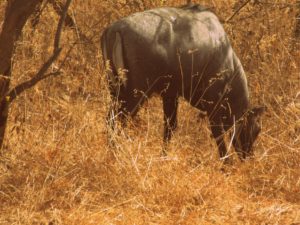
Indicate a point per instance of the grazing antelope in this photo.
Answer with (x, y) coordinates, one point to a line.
(181, 52)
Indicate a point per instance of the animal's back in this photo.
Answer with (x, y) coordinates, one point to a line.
(173, 29)
(187, 44)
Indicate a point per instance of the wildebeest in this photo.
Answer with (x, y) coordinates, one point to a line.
(180, 52)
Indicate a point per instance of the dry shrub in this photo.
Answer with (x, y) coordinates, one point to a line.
(56, 166)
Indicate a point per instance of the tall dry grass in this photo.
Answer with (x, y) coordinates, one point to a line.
(56, 166)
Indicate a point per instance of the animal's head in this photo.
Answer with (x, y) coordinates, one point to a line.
(248, 129)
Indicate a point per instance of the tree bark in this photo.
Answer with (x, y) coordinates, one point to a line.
(17, 13)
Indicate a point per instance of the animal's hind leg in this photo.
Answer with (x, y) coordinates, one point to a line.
(216, 127)
(170, 105)
(133, 103)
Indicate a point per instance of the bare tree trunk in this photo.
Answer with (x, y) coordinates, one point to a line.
(16, 14)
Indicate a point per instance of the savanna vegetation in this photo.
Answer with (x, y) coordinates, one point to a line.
(56, 166)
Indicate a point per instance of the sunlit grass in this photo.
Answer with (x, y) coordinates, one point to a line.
(57, 168)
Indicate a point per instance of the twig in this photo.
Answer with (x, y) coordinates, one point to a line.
(60, 24)
(237, 11)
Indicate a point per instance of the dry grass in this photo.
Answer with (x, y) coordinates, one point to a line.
(56, 166)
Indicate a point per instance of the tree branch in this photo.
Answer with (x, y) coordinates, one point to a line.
(58, 7)
(41, 74)
(237, 11)
(16, 91)
(60, 24)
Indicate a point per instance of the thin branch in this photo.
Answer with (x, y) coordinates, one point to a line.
(237, 11)
(60, 24)
(58, 8)
(41, 74)
(69, 20)
(16, 91)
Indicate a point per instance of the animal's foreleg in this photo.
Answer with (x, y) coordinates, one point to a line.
(218, 134)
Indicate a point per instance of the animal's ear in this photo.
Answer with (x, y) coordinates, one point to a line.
(258, 111)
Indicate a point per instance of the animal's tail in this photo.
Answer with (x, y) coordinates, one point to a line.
(112, 51)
